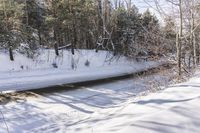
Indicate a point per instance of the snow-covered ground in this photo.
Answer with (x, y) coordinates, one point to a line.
(85, 65)
(76, 109)
(106, 108)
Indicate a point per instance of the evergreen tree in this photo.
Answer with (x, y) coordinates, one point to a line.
(10, 24)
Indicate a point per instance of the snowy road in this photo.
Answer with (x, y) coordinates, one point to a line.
(86, 109)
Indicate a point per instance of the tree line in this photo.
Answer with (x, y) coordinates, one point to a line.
(88, 24)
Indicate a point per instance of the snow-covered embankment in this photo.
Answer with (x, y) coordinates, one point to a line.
(25, 74)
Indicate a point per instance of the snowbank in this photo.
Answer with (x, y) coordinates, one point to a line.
(47, 57)
(25, 74)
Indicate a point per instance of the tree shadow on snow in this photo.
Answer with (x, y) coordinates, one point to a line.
(163, 101)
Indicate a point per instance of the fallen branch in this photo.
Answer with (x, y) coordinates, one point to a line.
(66, 46)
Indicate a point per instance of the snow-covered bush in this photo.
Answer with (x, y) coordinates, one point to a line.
(54, 65)
(29, 50)
(87, 63)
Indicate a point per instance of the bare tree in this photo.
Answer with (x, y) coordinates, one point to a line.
(181, 38)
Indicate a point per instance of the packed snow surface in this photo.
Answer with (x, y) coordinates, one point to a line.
(49, 70)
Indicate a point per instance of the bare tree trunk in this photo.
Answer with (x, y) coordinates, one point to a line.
(100, 21)
(39, 35)
(56, 42)
(6, 26)
(189, 62)
(106, 11)
(193, 36)
(55, 35)
(56, 48)
(178, 54)
(198, 53)
(74, 38)
(27, 19)
(11, 53)
(106, 16)
(194, 50)
(179, 44)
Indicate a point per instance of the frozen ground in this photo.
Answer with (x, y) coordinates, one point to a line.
(85, 65)
(99, 108)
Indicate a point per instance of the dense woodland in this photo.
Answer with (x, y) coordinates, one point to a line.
(115, 26)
